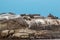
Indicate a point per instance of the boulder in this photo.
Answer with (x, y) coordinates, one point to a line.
(4, 33)
(20, 35)
(11, 32)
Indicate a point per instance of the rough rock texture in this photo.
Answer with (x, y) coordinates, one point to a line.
(13, 24)
(28, 27)
(44, 24)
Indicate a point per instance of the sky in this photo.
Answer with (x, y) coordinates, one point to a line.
(43, 7)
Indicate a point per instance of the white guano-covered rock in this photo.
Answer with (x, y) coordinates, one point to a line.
(51, 21)
(37, 22)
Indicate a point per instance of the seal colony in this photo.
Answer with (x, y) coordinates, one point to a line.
(29, 26)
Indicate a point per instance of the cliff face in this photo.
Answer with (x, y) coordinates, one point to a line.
(29, 25)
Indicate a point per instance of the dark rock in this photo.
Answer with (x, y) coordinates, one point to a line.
(13, 24)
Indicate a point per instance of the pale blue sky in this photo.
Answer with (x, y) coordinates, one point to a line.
(31, 6)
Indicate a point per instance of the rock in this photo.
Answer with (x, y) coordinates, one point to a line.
(37, 24)
(20, 35)
(16, 35)
(16, 23)
(4, 33)
(11, 32)
(44, 24)
(26, 18)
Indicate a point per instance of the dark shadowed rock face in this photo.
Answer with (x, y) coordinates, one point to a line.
(17, 23)
(13, 24)
(52, 16)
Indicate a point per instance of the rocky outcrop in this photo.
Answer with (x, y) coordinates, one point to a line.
(13, 24)
(29, 26)
(44, 24)
(4, 33)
